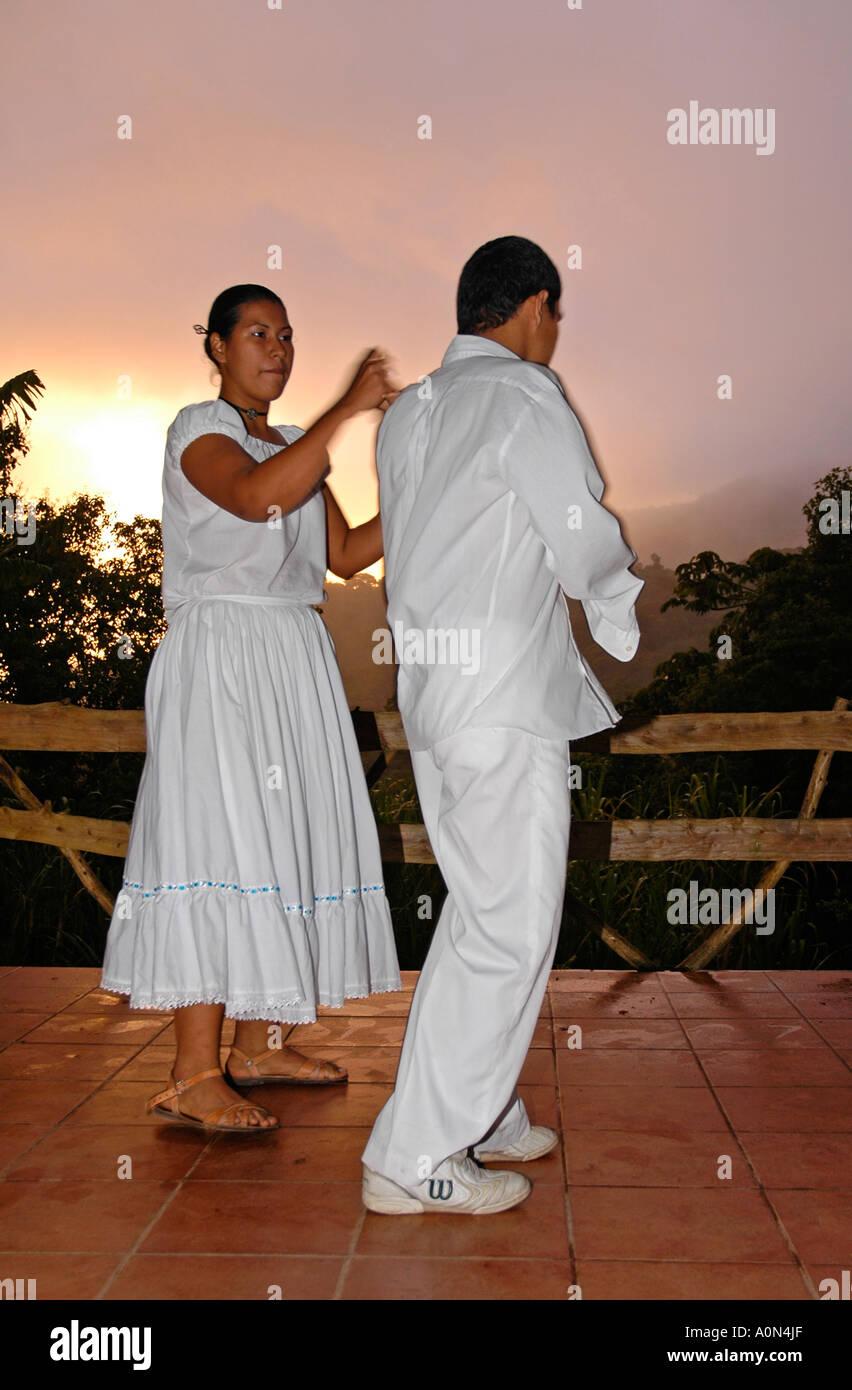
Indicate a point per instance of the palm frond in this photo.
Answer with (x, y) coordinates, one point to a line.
(19, 393)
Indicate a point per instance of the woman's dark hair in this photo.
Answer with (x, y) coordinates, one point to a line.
(225, 312)
(498, 278)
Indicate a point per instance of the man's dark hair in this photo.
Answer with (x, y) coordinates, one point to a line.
(498, 278)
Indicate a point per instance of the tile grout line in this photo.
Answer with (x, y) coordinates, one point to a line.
(802, 1269)
(573, 1264)
(359, 1226)
(350, 1255)
(51, 1129)
(554, 1182)
(337, 1296)
(803, 1018)
(128, 1256)
(808, 1282)
(384, 1255)
(785, 1236)
(122, 1262)
(679, 1021)
(823, 1040)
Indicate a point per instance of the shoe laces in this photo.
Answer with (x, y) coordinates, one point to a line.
(469, 1166)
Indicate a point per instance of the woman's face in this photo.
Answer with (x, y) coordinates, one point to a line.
(258, 356)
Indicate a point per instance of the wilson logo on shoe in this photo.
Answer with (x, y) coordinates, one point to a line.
(440, 1184)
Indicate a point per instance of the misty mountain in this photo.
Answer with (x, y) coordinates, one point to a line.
(734, 520)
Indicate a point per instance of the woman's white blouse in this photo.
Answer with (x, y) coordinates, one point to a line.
(209, 552)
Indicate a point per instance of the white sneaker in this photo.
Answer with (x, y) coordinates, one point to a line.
(538, 1142)
(459, 1184)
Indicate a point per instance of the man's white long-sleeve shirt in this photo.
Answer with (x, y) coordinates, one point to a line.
(490, 506)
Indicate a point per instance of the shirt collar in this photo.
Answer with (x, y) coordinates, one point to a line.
(474, 345)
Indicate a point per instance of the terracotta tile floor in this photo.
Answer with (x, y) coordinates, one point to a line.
(705, 1152)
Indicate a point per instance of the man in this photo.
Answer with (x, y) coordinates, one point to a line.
(490, 505)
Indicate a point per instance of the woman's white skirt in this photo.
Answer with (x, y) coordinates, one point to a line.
(253, 875)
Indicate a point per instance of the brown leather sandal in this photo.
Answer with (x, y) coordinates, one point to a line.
(215, 1120)
(305, 1075)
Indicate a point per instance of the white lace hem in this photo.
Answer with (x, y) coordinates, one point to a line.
(269, 1008)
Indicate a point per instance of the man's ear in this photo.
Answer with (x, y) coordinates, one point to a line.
(530, 311)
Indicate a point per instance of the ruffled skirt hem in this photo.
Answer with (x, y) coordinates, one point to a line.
(210, 946)
(271, 1008)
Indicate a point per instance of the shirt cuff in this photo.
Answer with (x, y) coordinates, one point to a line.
(619, 642)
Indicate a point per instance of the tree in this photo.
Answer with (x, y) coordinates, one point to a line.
(788, 616)
(78, 622)
(17, 397)
(81, 609)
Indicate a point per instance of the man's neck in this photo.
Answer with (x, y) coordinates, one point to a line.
(511, 338)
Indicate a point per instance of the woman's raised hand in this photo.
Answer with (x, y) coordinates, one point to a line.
(372, 386)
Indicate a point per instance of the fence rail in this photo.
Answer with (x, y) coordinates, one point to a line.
(745, 838)
(66, 728)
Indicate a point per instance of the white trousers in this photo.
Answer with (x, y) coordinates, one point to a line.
(496, 805)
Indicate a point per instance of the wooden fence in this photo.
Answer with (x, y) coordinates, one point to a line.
(67, 728)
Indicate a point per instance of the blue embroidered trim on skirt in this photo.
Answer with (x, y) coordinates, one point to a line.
(235, 888)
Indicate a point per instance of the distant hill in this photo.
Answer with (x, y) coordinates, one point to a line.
(733, 520)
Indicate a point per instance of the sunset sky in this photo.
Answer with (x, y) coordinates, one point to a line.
(255, 126)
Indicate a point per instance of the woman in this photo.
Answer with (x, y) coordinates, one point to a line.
(253, 885)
